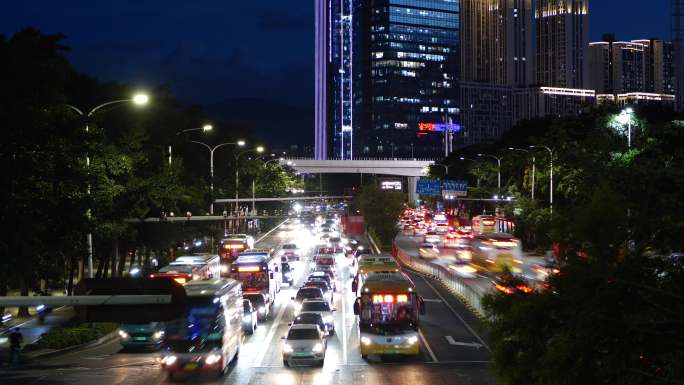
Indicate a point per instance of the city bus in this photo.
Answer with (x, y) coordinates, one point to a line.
(209, 335)
(488, 224)
(258, 270)
(389, 311)
(497, 252)
(484, 224)
(370, 264)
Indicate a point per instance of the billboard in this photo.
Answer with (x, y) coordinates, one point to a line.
(438, 127)
(391, 185)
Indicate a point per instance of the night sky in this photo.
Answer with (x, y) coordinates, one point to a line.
(211, 50)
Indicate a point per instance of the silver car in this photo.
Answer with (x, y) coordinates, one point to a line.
(323, 308)
(304, 345)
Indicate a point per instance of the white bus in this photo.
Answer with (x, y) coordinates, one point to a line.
(208, 337)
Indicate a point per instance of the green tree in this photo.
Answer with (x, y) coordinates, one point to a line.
(380, 210)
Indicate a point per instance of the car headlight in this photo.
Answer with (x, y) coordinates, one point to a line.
(412, 340)
(212, 359)
(169, 360)
(123, 334)
(366, 341)
(158, 335)
(224, 269)
(317, 348)
(262, 310)
(3, 340)
(288, 275)
(247, 318)
(328, 319)
(287, 348)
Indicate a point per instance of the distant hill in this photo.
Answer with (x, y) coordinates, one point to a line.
(276, 123)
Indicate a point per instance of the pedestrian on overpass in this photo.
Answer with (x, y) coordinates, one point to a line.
(15, 339)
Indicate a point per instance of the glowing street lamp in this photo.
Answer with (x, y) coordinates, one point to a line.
(139, 99)
(625, 119)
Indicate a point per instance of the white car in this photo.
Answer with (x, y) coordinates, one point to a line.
(428, 250)
(304, 344)
(323, 308)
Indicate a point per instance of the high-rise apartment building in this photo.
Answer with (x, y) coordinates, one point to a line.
(642, 66)
(496, 42)
(497, 54)
(405, 76)
(322, 83)
(562, 38)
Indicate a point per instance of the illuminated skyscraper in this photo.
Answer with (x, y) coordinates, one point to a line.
(321, 78)
(497, 53)
(562, 38)
(405, 76)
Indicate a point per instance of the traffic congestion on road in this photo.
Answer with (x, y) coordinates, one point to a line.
(478, 251)
(304, 303)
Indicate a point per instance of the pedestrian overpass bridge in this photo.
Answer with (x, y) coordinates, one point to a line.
(412, 169)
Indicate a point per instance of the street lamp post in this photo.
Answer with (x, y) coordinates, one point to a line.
(258, 150)
(211, 165)
(205, 128)
(138, 100)
(534, 166)
(625, 118)
(498, 161)
(254, 180)
(550, 175)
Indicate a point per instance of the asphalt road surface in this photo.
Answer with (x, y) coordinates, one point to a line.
(453, 350)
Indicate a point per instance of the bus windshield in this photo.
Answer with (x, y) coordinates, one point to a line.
(200, 325)
(257, 280)
(387, 313)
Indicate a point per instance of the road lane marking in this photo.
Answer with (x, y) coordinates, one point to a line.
(432, 300)
(269, 337)
(269, 232)
(456, 314)
(427, 346)
(453, 342)
(344, 324)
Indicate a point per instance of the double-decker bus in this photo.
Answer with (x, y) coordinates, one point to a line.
(208, 336)
(258, 270)
(231, 246)
(389, 311)
(371, 264)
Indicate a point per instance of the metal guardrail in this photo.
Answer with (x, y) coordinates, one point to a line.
(87, 300)
(443, 274)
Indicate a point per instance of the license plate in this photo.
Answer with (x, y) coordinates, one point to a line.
(140, 338)
(190, 366)
(302, 354)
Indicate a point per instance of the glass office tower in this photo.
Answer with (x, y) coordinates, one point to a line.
(405, 68)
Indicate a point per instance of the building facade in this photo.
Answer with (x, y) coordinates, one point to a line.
(644, 66)
(497, 55)
(321, 81)
(405, 76)
(533, 102)
(562, 28)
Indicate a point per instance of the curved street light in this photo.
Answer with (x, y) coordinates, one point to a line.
(139, 99)
(550, 174)
(498, 161)
(534, 165)
(211, 149)
(258, 150)
(204, 128)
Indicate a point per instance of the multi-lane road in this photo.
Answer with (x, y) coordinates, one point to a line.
(453, 350)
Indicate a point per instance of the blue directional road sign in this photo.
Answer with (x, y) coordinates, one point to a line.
(455, 188)
(429, 187)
